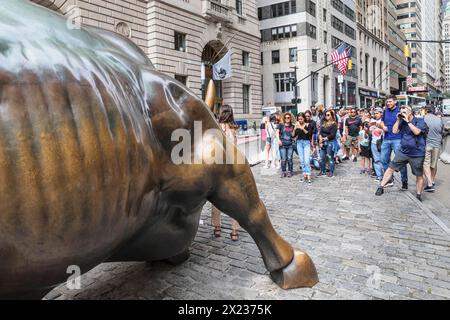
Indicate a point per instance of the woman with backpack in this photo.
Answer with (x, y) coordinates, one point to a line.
(285, 134)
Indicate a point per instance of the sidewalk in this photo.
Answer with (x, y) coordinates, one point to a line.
(364, 247)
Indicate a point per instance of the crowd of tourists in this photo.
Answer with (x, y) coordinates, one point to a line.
(323, 138)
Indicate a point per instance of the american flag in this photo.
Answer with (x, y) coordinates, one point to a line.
(340, 57)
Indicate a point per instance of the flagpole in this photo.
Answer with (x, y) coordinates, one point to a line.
(331, 63)
(224, 46)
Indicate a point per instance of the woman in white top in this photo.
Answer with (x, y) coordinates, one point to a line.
(226, 121)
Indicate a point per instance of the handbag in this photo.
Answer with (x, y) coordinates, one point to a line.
(379, 144)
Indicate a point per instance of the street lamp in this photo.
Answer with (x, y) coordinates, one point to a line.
(294, 81)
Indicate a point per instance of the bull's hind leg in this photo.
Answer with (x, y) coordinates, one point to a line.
(238, 197)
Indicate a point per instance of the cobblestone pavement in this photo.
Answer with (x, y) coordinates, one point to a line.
(363, 247)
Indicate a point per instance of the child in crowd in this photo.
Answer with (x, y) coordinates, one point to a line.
(364, 149)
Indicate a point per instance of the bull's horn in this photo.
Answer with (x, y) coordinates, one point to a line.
(210, 95)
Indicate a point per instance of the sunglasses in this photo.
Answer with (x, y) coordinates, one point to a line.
(287, 118)
(328, 115)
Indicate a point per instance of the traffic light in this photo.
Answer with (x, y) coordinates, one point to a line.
(407, 51)
(350, 64)
(296, 101)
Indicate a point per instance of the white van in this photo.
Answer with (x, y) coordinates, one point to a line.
(446, 107)
(267, 111)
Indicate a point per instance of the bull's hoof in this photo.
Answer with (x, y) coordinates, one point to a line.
(178, 259)
(300, 273)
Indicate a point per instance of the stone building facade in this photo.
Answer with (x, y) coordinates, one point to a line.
(398, 62)
(373, 52)
(178, 35)
(303, 34)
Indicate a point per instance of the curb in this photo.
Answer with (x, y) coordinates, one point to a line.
(427, 211)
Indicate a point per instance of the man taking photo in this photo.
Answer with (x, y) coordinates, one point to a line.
(412, 131)
(392, 140)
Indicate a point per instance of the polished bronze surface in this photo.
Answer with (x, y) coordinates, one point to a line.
(86, 171)
(210, 95)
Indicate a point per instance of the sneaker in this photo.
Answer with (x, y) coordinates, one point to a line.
(362, 172)
(373, 176)
(330, 175)
(321, 174)
(309, 181)
(404, 186)
(379, 179)
(345, 158)
(290, 174)
(434, 184)
(390, 184)
(430, 189)
(380, 191)
(283, 175)
(419, 197)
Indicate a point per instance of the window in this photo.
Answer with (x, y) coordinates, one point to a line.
(292, 54)
(312, 31)
(245, 58)
(262, 58)
(182, 79)
(275, 56)
(246, 99)
(239, 7)
(337, 24)
(283, 82)
(314, 55)
(324, 15)
(282, 32)
(180, 42)
(349, 13)
(350, 32)
(338, 5)
(311, 8)
(325, 37)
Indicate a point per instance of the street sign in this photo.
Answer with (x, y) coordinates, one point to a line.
(341, 79)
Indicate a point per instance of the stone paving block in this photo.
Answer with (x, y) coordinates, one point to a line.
(386, 249)
(440, 292)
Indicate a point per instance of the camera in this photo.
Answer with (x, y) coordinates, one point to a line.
(401, 116)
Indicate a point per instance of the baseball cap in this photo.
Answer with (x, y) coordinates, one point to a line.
(407, 108)
(380, 110)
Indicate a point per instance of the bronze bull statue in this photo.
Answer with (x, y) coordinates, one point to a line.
(86, 173)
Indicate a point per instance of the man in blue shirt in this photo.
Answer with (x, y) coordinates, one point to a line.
(413, 133)
(392, 141)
